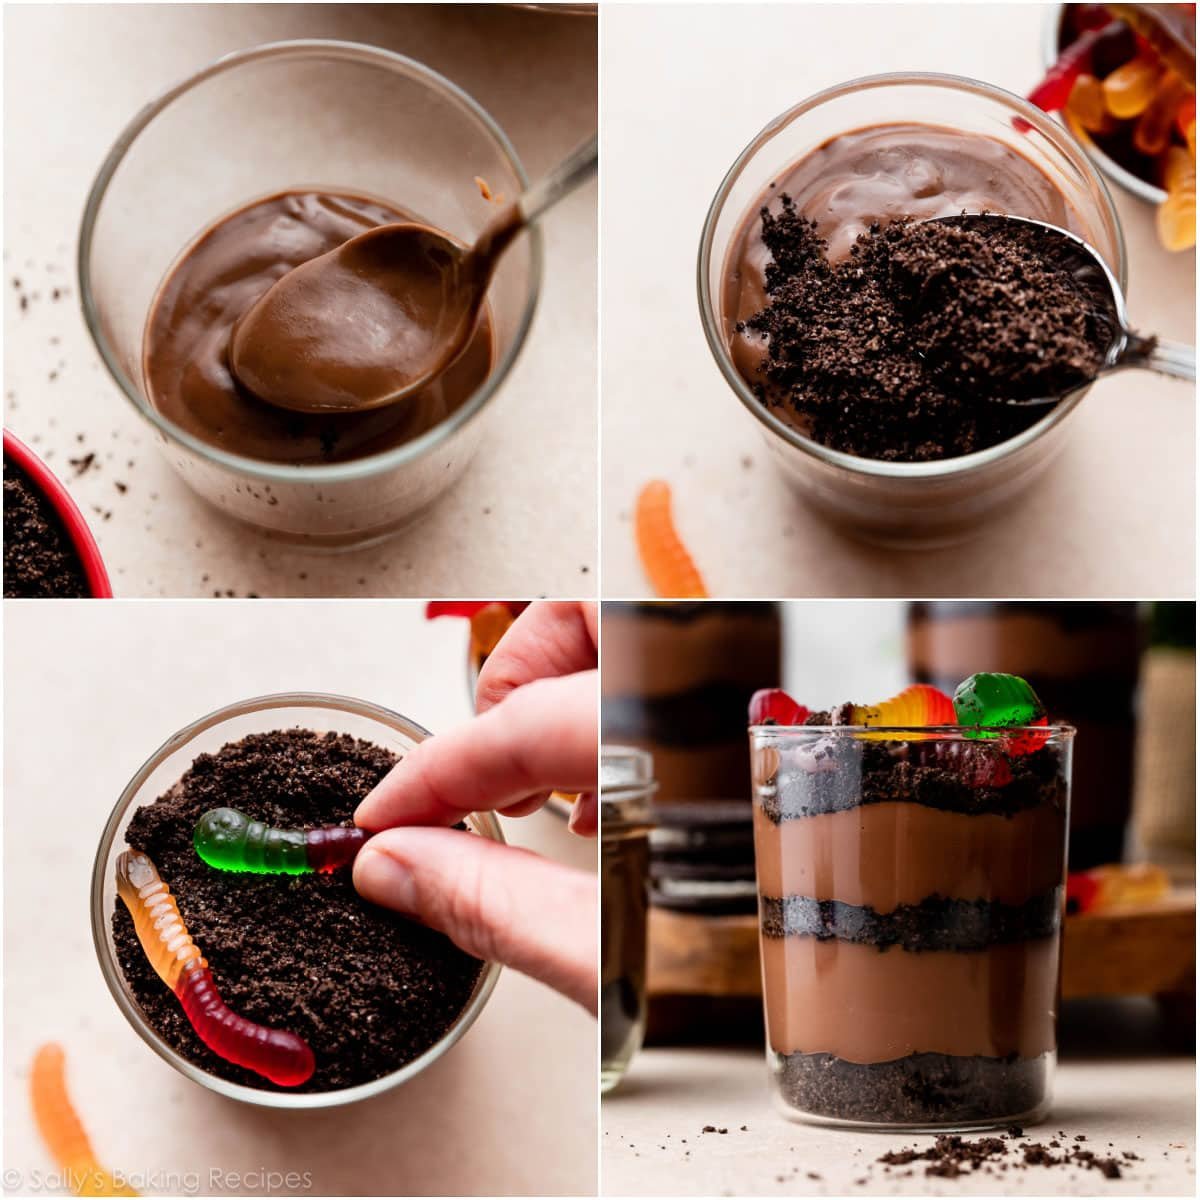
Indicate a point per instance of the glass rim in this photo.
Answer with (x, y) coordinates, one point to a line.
(944, 731)
(711, 317)
(110, 968)
(270, 472)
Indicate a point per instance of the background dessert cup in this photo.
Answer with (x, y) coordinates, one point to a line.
(310, 711)
(323, 114)
(901, 503)
(626, 789)
(910, 908)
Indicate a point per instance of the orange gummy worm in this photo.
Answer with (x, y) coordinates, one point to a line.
(63, 1132)
(665, 558)
(160, 928)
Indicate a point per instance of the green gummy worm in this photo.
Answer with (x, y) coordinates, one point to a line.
(231, 841)
(999, 701)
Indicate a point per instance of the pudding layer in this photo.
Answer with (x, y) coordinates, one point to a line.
(866, 1005)
(891, 854)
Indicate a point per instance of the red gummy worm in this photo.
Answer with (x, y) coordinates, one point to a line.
(332, 847)
(281, 1057)
(468, 608)
(1054, 90)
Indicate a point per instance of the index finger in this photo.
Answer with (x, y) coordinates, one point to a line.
(549, 638)
(542, 736)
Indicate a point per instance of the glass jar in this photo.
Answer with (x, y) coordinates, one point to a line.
(626, 787)
(901, 503)
(339, 115)
(323, 713)
(676, 680)
(1082, 658)
(911, 891)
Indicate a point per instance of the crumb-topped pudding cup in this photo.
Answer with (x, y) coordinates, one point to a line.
(911, 895)
(163, 769)
(323, 115)
(910, 504)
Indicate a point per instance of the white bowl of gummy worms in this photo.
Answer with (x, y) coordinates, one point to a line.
(273, 982)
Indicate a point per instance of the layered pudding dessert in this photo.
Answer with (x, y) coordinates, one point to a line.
(882, 337)
(1083, 660)
(911, 863)
(675, 680)
(219, 277)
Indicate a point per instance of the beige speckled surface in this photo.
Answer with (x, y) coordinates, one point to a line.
(510, 1110)
(652, 1141)
(696, 83)
(523, 522)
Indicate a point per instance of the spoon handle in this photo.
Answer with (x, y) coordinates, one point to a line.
(1157, 354)
(577, 168)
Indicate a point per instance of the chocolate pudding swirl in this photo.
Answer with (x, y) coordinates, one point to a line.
(910, 896)
(217, 278)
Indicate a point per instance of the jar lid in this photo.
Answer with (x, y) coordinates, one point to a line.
(626, 786)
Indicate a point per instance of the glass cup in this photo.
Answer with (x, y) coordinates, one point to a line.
(338, 115)
(626, 788)
(310, 710)
(902, 503)
(911, 892)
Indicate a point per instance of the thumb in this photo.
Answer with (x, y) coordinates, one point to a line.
(497, 902)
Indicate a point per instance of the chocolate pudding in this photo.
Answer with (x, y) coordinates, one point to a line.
(218, 278)
(846, 189)
(910, 899)
(369, 323)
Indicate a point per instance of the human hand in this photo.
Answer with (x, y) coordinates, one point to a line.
(536, 730)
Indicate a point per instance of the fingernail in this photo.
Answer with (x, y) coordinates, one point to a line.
(385, 880)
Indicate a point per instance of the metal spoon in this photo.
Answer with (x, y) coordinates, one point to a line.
(1127, 349)
(378, 318)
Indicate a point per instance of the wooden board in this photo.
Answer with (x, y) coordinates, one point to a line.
(1141, 950)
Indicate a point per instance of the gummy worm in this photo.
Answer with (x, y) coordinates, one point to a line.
(62, 1130)
(281, 1057)
(671, 569)
(231, 841)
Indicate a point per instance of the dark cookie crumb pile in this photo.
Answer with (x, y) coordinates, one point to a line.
(39, 560)
(916, 1089)
(901, 351)
(368, 990)
(951, 1155)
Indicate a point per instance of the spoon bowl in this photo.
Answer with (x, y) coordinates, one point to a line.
(384, 314)
(368, 323)
(1126, 347)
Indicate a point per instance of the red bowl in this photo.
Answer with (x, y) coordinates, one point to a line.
(82, 541)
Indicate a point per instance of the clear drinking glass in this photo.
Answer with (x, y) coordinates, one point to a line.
(309, 710)
(911, 893)
(626, 788)
(902, 503)
(318, 114)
